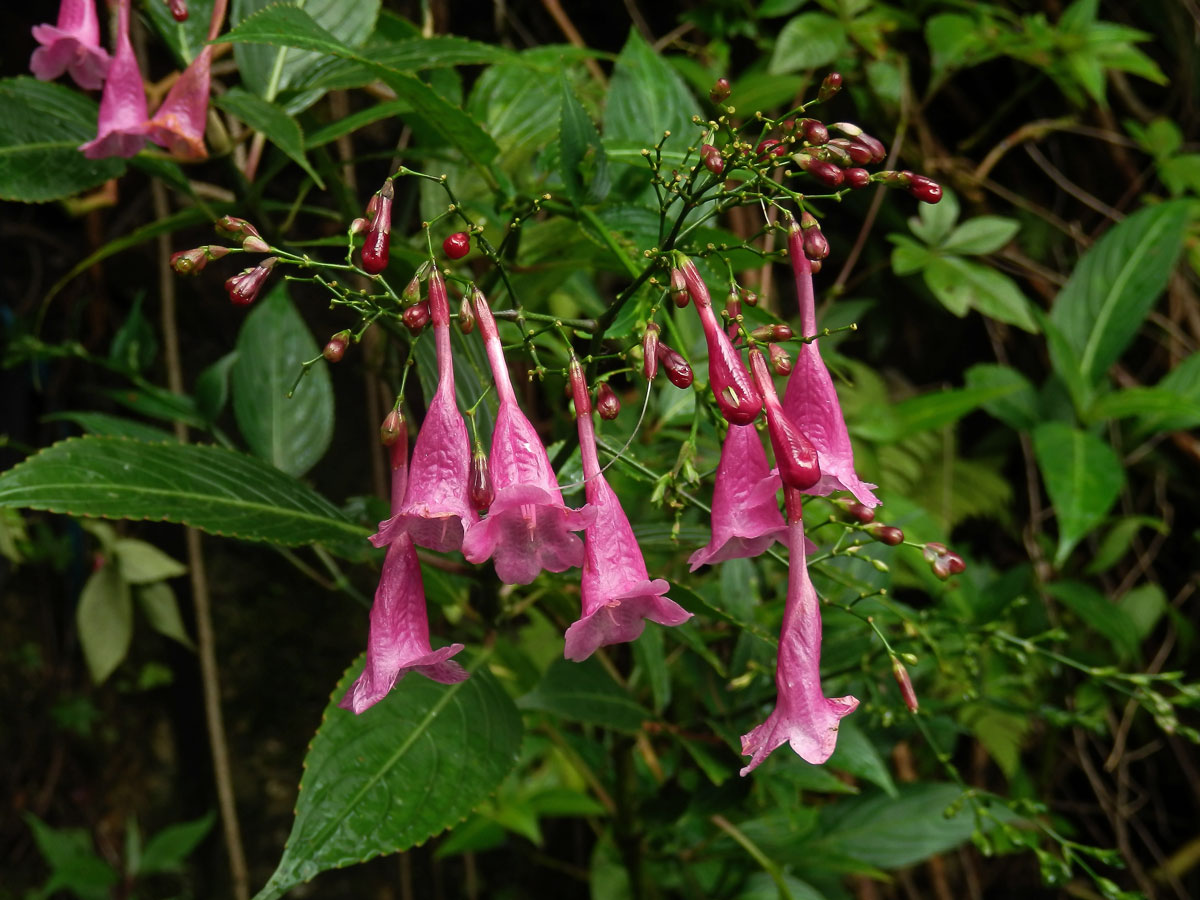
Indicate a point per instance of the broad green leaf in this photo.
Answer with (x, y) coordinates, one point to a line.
(1144, 605)
(406, 769)
(158, 403)
(166, 851)
(112, 426)
(1018, 409)
(74, 865)
(512, 106)
(143, 563)
(42, 125)
(908, 256)
(983, 234)
(960, 284)
(650, 654)
(279, 128)
(857, 755)
(292, 432)
(1098, 613)
(1064, 361)
(647, 97)
(1083, 477)
(161, 609)
(585, 176)
(186, 38)
(1184, 382)
(770, 9)
(761, 886)
(1155, 402)
(1101, 308)
(934, 221)
(216, 490)
(933, 410)
(807, 41)
(585, 692)
(954, 41)
(1118, 541)
(105, 621)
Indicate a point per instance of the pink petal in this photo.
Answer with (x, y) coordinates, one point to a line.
(123, 126)
(180, 121)
(74, 45)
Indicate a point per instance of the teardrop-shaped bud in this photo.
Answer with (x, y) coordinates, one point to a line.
(255, 244)
(650, 351)
(607, 403)
(412, 291)
(885, 534)
(955, 563)
(720, 91)
(335, 349)
(189, 262)
(466, 318)
(679, 373)
(900, 673)
(679, 291)
(829, 86)
(480, 490)
(748, 297)
(389, 431)
(825, 172)
(815, 132)
(244, 288)
(815, 244)
(924, 189)
(712, 159)
(878, 151)
(416, 316)
(781, 362)
(856, 178)
(233, 227)
(375, 248)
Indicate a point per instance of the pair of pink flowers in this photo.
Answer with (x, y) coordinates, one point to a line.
(528, 526)
(73, 45)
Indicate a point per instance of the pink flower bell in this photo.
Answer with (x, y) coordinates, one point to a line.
(810, 399)
(803, 717)
(123, 125)
(398, 642)
(616, 592)
(727, 375)
(795, 455)
(179, 122)
(437, 511)
(528, 526)
(73, 45)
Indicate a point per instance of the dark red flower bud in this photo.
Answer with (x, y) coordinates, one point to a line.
(905, 684)
(720, 91)
(232, 226)
(679, 291)
(179, 10)
(864, 514)
(336, 348)
(933, 550)
(480, 490)
(770, 147)
(815, 132)
(733, 303)
(830, 86)
(650, 351)
(748, 297)
(924, 189)
(466, 318)
(825, 172)
(712, 159)
(856, 178)
(885, 534)
(859, 152)
(781, 362)
(457, 245)
(815, 244)
(941, 568)
(393, 425)
(416, 316)
(815, 266)
(679, 373)
(607, 403)
(955, 563)
(379, 232)
(878, 151)
(243, 288)
(768, 333)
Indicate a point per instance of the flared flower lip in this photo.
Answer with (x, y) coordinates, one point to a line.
(66, 51)
(735, 543)
(622, 618)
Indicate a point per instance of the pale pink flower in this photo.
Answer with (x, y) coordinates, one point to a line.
(616, 592)
(179, 122)
(810, 399)
(803, 716)
(123, 125)
(436, 511)
(398, 642)
(528, 526)
(73, 45)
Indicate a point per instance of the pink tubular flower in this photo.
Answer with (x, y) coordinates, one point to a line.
(73, 45)
(810, 399)
(745, 509)
(616, 592)
(398, 641)
(179, 123)
(803, 716)
(528, 526)
(795, 455)
(123, 125)
(436, 511)
(727, 375)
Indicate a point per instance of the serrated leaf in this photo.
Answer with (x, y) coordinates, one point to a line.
(166, 851)
(42, 125)
(161, 609)
(406, 769)
(292, 433)
(1083, 477)
(807, 41)
(143, 563)
(275, 124)
(585, 692)
(647, 97)
(105, 621)
(216, 490)
(960, 285)
(983, 234)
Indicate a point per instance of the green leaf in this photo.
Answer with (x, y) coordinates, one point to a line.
(807, 41)
(1098, 613)
(294, 432)
(909, 256)
(135, 345)
(1018, 408)
(954, 41)
(1184, 382)
(184, 38)
(1119, 541)
(983, 234)
(142, 563)
(1144, 605)
(74, 865)
(1101, 308)
(857, 755)
(280, 129)
(158, 403)
(960, 284)
(1161, 402)
(647, 97)
(111, 426)
(1083, 477)
(578, 136)
(408, 768)
(166, 851)
(216, 490)
(585, 692)
(42, 125)
(105, 621)
(933, 410)
(934, 221)
(355, 121)
(212, 387)
(161, 609)
(650, 654)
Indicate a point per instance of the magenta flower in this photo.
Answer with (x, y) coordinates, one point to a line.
(810, 399)
(803, 716)
(73, 45)
(123, 124)
(528, 526)
(616, 592)
(436, 511)
(795, 456)
(398, 641)
(727, 375)
(745, 509)
(179, 123)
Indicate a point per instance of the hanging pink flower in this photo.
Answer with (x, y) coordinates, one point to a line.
(616, 591)
(528, 526)
(73, 45)
(795, 456)
(436, 511)
(179, 123)
(803, 716)
(398, 642)
(810, 399)
(123, 125)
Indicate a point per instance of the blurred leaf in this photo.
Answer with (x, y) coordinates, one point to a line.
(1117, 542)
(1017, 409)
(216, 490)
(586, 177)
(294, 432)
(955, 41)
(809, 40)
(585, 692)
(186, 38)
(647, 97)
(1160, 402)
(273, 122)
(104, 619)
(1184, 382)
(42, 125)
(212, 386)
(135, 344)
(408, 768)
(1145, 605)
(934, 221)
(650, 655)
(983, 234)
(74, 865)
(354, 121)
(960, 285)
(166, 851)
(1083, 477)
(142, 563)
(158, 403)
(761, 886)
(1096, 612)
(857, 755)
(909, 256)
(112, 426)
(933, 410)
(161, 609)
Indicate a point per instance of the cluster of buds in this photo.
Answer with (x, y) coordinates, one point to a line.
(943, 561)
